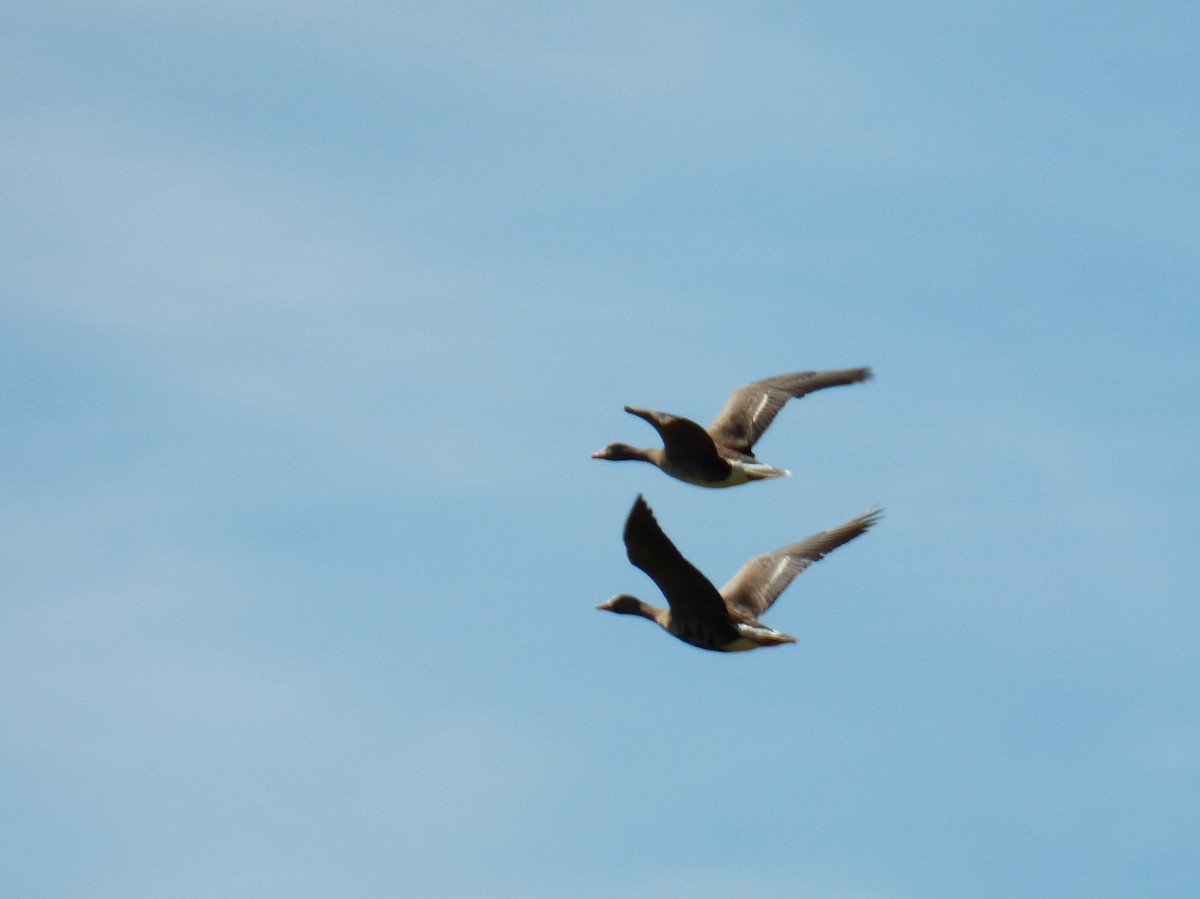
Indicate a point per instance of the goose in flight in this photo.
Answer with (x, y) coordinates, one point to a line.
(724, 620)
(722, 455)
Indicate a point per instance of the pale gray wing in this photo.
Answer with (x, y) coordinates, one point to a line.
(688, 592)
(759, 582)
(752, 407)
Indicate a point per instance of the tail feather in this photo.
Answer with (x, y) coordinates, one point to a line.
(759, 473)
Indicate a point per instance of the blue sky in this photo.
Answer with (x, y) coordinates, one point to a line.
(312, 314)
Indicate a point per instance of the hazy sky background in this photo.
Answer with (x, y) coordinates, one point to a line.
(310, 315)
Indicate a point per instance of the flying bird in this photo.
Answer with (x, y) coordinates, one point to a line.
(724, 620)
(722, 455)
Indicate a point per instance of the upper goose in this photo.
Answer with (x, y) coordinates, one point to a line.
(724, 620)
(722, 455)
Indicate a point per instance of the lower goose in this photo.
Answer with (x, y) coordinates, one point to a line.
(724, 620)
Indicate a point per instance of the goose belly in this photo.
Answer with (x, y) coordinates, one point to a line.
(741, 644)
(740, 472)
(752, 636)
(726, 636)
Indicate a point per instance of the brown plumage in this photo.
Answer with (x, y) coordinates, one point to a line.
(724, 620)
(722, 455)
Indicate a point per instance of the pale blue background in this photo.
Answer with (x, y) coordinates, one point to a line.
(311, 313)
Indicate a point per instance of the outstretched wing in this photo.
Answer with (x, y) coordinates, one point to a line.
(688, 592)
(685, 441)
(752, 407)
(759, 582)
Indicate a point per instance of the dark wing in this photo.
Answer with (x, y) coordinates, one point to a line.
(751, 407)
(688, 592)
(684, 440)
(759, 582)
